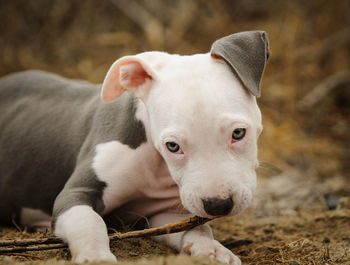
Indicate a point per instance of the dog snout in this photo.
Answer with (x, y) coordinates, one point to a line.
(218, 207)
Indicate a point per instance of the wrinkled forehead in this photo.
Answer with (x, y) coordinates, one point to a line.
(202, 87)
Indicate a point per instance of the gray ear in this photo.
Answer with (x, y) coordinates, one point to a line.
(247, 53)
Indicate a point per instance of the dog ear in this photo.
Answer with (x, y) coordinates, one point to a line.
(246, 53)
(128, 73)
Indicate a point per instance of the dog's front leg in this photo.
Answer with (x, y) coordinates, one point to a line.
(86, 234)
(76, 217)
(195, 242)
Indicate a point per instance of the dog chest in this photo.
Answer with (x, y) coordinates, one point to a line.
(137, 178)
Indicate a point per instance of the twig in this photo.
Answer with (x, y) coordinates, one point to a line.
(15, 224)
(10, 246)
(175, 227)
(29, 256)
(31, 241)
(38, 247)
(325, 46)
(153, 28)
(322, 90)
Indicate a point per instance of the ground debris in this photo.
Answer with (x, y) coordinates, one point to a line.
(311, 237)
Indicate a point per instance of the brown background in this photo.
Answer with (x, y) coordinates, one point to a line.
(305, 90)
(310, 42)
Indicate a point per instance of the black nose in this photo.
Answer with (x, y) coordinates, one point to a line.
(217, 207)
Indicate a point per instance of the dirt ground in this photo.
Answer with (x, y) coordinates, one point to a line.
(288, 223)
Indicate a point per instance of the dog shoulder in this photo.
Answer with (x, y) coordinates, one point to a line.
(118, 121)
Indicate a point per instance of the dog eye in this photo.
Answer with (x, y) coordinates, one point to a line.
(238, 134)
(173, 147)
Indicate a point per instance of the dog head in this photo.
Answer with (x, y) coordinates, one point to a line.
(202, 117)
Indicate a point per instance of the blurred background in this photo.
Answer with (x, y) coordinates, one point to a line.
(305, 146)
(305, 90)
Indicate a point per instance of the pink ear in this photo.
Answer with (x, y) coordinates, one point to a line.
(128, 73)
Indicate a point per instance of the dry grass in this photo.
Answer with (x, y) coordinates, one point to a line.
(306, 238)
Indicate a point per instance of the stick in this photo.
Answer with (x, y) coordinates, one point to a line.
(10, 250)
(153, 28)
(175, 227)
(11, 246)
(28, 256)
(325, 46)
(322, 90)
(31, 241)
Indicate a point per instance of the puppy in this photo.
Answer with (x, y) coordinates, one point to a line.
(174, 136)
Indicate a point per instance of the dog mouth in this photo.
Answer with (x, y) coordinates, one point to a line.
(216, 207)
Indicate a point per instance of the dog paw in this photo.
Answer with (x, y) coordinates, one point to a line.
(209, 247)
(88, 256)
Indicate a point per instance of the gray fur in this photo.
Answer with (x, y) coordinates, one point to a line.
(246, 53)
(49, 127)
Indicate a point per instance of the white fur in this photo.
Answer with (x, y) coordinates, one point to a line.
(198, 241)
(86, 234)
(197, 244)
(135, 175)
(199, 110)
